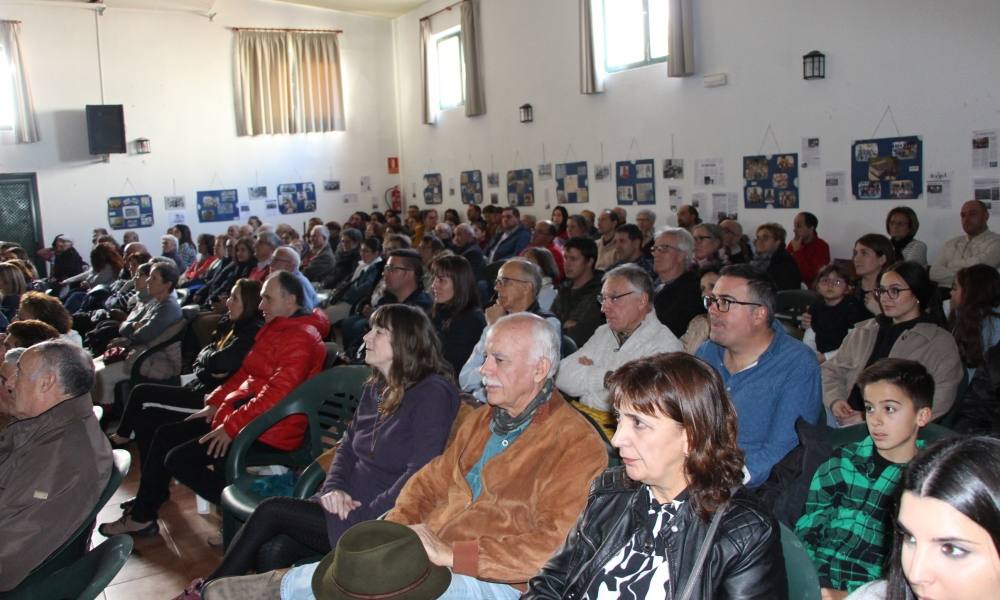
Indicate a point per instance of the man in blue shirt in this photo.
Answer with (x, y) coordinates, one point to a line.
(771, 377)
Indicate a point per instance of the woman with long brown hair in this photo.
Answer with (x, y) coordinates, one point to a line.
(674, 521)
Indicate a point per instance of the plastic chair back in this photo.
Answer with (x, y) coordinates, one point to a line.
(803, 581)
(568, 346)
(86, 578)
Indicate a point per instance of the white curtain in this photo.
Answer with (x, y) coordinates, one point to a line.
(475, 95)
(25, 122)
(287, 82)
(425, 99)
(591, 81)
(681, 39)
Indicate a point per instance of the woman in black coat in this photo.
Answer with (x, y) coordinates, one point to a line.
(456, 314)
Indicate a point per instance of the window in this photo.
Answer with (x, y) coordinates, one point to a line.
(447, 73)
(635, 33)
(6, 94)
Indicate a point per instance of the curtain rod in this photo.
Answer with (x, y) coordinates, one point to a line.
(445, 9)
(279, 29)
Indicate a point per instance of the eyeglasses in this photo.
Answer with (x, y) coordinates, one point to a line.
(831, 281)
(391, 268)
(702, 238)
(664, 248)
(723, 303)
(505, 281)
(601, 298)
(892, 292)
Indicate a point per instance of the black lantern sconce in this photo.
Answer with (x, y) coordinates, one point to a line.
(814, 65)
(527, 113)
(142, 146)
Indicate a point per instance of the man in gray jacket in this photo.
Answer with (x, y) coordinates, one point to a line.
(54, 458)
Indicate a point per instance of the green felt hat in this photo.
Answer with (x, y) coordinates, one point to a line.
(379, 560)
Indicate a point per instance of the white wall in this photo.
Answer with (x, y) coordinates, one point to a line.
(931, 61)
(173, 73)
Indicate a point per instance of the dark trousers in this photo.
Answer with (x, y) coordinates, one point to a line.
(151, 405)
(280, 532)
(174, 451)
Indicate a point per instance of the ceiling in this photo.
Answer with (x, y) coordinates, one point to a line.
(374, 8)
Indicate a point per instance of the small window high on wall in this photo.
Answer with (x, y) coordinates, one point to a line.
(6, 93)
(447, 72)
(635, 33)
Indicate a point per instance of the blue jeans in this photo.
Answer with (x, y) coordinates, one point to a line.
(297, 585)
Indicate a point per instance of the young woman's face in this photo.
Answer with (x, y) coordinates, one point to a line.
(946, 555)
(443, 289)
(905, 306)
(956, 294)
(378, 349)
(243, 253)
(557, 217)
(866, 262)
(234, 304)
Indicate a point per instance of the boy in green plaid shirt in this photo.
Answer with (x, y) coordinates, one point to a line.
(847, 523)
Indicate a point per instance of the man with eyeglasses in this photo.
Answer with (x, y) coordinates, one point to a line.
(772, 378)
(517, 285)
(632, 331)
(678, 287)
(574, 304)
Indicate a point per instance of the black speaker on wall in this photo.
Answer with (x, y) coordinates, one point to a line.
(106, 128)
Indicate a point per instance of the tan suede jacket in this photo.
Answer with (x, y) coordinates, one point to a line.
(532, 492)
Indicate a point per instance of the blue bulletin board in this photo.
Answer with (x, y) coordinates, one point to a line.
(130, 212)
(432, 189)
(572, 185)
(472, 187)
(520, 187)
(771, 181)
(887, 168)
(218, 205)
(635, 181)
(296, 198)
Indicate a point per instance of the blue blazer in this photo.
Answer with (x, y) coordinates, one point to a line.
(512, 246)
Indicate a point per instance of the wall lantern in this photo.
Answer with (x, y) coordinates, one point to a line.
(814, 65)
(527, 113)
(142, 146)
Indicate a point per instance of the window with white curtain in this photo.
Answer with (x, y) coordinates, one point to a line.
(6, 93)
(635, 33)
(447, 70)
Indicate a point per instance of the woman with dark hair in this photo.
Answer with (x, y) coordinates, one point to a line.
(973, 317)
(242, 261)
(105, 265)
(709, 248)
(185, 244)
(194, 277)
(909, 327)
(872, 253)
(12, 286)
(456, 314)
(902, 224)
(36, 305)
(947, 543)
(451, 216)
(402, 421)
(674, 520)
(66, 261)
(151, 405)
(559, 218)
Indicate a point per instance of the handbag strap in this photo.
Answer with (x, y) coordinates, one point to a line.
(706, 545)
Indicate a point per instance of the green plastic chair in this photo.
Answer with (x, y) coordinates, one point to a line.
(855, 433)
(803, 581)
(614, 459)
(327, 399)
(76, 546)
(86, 578)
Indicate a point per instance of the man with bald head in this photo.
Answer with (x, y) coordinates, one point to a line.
(54, 458)
(978, 245)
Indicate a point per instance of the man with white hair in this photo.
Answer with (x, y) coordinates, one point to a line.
(444, 232)
(287, 259)
(168, 249)
(317, 260)
(54, 458)
(503, 495)
(632, 331)
(678, 287)
(645, 220)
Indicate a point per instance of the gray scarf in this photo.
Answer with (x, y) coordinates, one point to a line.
(502, 423)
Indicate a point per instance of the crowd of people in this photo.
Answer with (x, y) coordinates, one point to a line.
(507, 352)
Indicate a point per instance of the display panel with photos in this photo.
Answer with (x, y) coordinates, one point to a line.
(771, 181)
(130, 212)
(296, 198)
(572, 185)
(520, 187)
(432, 189)
(471, 183)
(218, 205)
(887, 168)
(635, 182)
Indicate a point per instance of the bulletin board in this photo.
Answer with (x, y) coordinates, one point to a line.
(572, 186)
(887, 168)
(472, 187)
(771, 181)
(635, 182)
(218, 205)
(296, 198)
(130, 212)
(520, 187)
(432, 189)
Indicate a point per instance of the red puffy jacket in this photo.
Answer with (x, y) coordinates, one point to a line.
(286, 352)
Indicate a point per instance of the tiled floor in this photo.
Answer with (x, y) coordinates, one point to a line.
(160, 566)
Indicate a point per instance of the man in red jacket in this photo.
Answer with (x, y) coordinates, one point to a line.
(287, 351)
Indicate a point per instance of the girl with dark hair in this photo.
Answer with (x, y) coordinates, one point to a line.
(12, 286)
(902, 224)
(947, 543)
(559, 218)
(872, 253)
(402, 422)
(456, 314)
(66, 261)
(833, 314)
(909, 327)
(105, 265)
(451, 216)
(646, 524)
(185, 244)
(973, 318)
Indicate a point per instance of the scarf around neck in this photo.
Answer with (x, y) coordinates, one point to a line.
(502, 423)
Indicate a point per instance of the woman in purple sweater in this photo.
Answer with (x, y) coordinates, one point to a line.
(402, 422)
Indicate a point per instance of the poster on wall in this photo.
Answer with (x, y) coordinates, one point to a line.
(810, 152)
(130, 212)
(771, 181)
(520, 187)
(635, 181)
(218, 205)
(432, 188)
(472, 186)
(834, 184)
(709, 171)
(296, 198)
(986, 189)
(984, 149)
(673, 168)
(939, 190)
(887, 168)
(572, 185)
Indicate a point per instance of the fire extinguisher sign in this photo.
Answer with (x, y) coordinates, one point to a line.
(393, 164)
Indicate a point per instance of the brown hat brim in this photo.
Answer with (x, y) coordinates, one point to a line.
(324, 587)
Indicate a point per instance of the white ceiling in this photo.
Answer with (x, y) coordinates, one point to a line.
(374, 8)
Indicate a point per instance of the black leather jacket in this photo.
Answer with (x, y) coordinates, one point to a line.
(745, 560)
